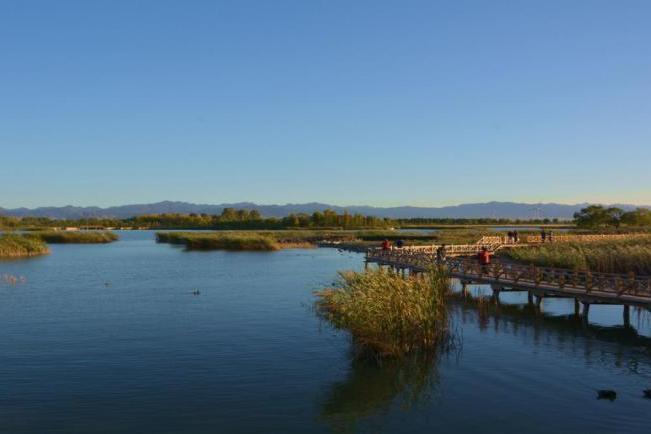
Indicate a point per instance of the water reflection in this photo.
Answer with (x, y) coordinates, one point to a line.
(499, 353)
(618, 346)
(372, 388)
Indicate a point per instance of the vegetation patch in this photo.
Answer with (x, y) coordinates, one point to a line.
(388, 315)
(76, 237)
(20, 246)
(219, 241)
(601, 256)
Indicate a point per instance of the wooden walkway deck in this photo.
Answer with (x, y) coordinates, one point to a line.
(584, 287)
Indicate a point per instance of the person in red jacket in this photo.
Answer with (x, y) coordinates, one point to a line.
(484, 259)
(386, 245)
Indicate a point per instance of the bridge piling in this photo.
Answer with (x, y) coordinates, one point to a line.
(586, 310)
(627, 316)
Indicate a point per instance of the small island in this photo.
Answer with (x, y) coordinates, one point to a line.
(20, 246)
(25, 245)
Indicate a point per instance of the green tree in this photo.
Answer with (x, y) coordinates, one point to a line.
(638, 217)
(595, 216)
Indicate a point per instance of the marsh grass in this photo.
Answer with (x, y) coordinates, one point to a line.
(605, 257)
(388, 315)
(219, 241)
(76, 237)
(19, 246)
(358, 240)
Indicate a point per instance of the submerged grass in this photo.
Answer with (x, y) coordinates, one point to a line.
(20, 246)
(388, 315)
(80, 237)
(601, 256)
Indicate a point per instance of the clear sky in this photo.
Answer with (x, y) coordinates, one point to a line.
(347, 102)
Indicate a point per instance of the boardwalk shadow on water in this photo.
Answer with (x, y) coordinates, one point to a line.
(514, 316)
(617, 346)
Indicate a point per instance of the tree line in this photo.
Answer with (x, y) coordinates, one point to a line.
(230, 218)
(596, 216)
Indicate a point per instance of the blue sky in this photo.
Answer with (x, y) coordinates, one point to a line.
(346, 102)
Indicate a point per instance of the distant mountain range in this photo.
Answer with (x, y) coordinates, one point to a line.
(511, 210)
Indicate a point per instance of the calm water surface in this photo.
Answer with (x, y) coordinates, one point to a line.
(110, 338)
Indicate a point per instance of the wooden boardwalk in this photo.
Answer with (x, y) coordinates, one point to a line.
(495, 242)
(585, 287)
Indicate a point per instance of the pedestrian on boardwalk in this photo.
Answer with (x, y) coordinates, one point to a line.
(516, 237)
(550, 236)
(386, 245)
(440, 254)
(484, 259)
(399, 244)
(543, 235)
(509, 237)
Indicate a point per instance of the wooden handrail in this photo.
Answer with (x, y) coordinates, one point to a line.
(560, 278)
(533, 239)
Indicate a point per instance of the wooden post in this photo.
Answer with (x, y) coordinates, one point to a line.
(530, 298)
(496, 295)
(586, 311)
(577, 309)
(627, 316)
(539, 300)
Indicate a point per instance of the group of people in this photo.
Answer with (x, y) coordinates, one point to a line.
(546, 236)
(484, 256)
(386, 244)
(513, 237)
(440, 251)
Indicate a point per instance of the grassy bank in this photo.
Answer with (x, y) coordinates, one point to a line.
(20, 246)
(358, 240)
(219, 241)
(274, 240)
(80, 237)
(603, 256)
(387, 315)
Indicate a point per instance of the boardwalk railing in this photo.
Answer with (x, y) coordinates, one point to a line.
(532, 239)
(450, 250)
(496, 242)
(604, 286)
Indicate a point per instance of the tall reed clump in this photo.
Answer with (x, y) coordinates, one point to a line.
(219, 241)
(77, 237)
(388, 315)
(602, 256)
(19, 246)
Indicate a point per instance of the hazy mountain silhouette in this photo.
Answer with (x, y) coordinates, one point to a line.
(471, 210)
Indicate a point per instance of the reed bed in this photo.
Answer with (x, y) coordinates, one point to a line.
(358, 240)
(80, 237)
(219, 241)
(606, 257)
(388, 315)
(20, 246)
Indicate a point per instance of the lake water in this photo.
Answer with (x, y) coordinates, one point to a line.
(110, 338)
